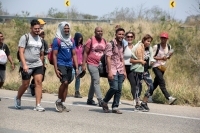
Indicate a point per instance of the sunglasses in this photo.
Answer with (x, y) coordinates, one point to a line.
(129, 36)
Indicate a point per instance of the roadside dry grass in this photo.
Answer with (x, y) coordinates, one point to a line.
(179, 79)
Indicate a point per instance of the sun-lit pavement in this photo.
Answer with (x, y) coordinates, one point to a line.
(91, 119)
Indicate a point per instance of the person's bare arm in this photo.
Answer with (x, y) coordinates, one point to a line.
(58, 73)
(11, 62)
(85, 55)
(75, 61)
(22, 59)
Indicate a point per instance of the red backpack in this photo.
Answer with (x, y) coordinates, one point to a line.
(50, 54)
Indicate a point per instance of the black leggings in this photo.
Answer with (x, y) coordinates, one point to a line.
(159, 80)
(132, 80)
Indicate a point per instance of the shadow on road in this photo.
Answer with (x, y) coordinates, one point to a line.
(22, 108)
(97, 110)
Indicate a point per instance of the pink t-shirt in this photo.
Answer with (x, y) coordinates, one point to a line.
(96, 51)
(79, 54)
(116, 57)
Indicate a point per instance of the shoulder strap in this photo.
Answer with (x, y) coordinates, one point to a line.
(123, 46)
(104, 40)
(2, 46)
(158, 48)
(58, 41)
(168, 47)
(113, 45)
(27, 38)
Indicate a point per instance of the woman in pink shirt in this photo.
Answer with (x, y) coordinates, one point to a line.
(78, 41)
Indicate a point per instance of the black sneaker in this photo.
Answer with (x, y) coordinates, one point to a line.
(59, 106)
(91, 102)
(139, 108)
(105, 106)
(32, 87)
(77, 94)
(145, 106)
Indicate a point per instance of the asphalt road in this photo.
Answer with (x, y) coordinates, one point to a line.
(91, 119)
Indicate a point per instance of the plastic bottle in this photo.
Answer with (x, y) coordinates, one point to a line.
(170, 52)
(100, 67)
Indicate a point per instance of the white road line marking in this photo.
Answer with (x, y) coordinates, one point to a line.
(88, 106)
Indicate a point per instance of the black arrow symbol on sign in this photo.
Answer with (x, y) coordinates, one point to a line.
(67, 3)
(172, 3)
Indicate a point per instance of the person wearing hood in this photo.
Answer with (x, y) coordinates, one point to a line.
(142, 59)
(63, 52)
(78, 42)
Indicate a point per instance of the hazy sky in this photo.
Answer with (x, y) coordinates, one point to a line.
(99, 7)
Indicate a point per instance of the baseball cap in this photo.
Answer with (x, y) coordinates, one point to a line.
(41, 21)
(164, 34)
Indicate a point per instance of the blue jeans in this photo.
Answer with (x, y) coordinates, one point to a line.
(77, 82)
(115, 89)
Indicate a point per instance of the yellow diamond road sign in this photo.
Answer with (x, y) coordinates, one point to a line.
(172, 3)
(67, 3)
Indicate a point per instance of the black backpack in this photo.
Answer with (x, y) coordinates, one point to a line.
(102, 66)
(27, 38)
(158, 48)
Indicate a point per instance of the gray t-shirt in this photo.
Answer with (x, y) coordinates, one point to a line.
(127, 56)
(32, 50)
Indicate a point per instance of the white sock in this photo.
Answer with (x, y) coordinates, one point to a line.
(170, 97)
(59, 100)
(38, 104)
(63, 103)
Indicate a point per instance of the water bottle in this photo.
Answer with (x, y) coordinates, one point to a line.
(100, 67)
(170, 52)
(49, 50)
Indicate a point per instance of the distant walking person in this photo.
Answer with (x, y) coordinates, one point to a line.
(63, 52)
(116, 71)
(4, 55)
(94, 49)
(42, 23)
(78, 41)
(142, 59)
(162, 53)
(31, 53)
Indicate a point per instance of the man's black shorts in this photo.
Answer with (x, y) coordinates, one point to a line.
(66, 73)
(31, 72)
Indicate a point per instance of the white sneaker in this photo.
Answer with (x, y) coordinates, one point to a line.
(39, 108)
(172, 100)
(134, 102)
(17, 103)
(150, 99)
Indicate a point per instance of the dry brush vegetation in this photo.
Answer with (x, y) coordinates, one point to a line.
(182, 75)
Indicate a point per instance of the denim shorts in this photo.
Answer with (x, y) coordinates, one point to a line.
(66, 73)
(31, 72)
